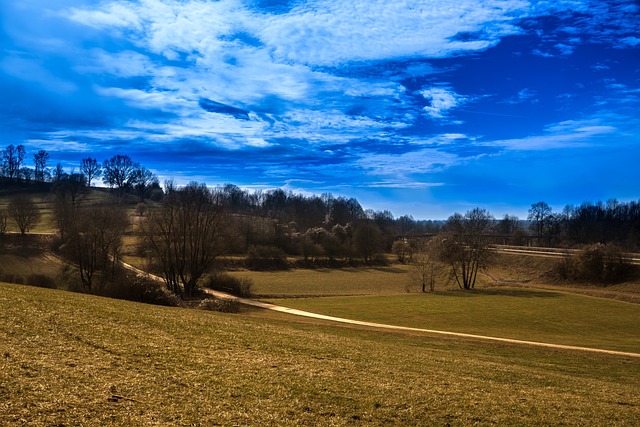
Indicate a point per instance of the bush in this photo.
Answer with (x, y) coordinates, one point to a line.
(41, 281)
(129, 286)
(12, 278)
(266, 258)
(596, 264)
(223, 305)
(141, 209)
(233, 285)
(379, 259)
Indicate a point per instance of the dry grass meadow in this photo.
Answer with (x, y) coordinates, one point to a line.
(74, 359)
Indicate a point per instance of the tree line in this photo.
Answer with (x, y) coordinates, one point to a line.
(119, 172)
(186, 228)
(610, 222)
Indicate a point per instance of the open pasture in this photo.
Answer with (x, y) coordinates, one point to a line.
(75, 359)
(394, 279)
(524, 314)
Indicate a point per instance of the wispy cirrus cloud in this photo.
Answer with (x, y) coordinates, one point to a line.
(567, 134)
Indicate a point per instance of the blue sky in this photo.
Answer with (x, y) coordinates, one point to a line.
(419, 107)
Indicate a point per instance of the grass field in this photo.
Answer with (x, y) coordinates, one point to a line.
(345, 281)
(525, 314)
(73, 359)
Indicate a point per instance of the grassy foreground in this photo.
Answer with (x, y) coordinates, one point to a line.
(73, 359)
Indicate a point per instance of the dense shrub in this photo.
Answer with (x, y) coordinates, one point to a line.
(597, 263)
(242, 287)
(41, 281)
(224, 305)
(132, 287)
(12, 278)
(379, 259)
(266, 258)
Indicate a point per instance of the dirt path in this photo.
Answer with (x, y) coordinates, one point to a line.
(296, 312)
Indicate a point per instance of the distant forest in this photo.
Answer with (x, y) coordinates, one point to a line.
(314, 225)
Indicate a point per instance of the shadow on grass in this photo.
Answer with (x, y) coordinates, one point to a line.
(364, 269)
(507, 292)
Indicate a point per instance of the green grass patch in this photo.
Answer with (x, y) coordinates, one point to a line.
(345, 281)
(75, 359)
(524, 314)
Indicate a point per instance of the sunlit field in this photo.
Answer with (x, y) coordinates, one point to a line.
(524, 314)
(71, 359)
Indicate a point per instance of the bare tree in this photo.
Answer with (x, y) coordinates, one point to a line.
(143, 179)
(12, 158)
(68, 194)
(23, 210)
(118, 172)
(402, 250)
(3, 221)
(539, 215)
(40, 160)
(185, 235)
(94, 242)
(59, 174)
(91, 169)
(425, 265)
(367, 240)
(464, 245)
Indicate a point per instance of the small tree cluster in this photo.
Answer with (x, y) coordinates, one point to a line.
(601, 264)
(12, 160)
(119, 171)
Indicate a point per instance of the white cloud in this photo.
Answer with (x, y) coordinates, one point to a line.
(631, 41)
(326, 32)
(404, 184)
(278, 66)
(415, 162)
(441, 100)
(62, 144)
(524, 95)
(111, 15)
(121, 64)
(567, 134)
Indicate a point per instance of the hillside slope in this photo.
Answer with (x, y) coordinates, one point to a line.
(68, 359)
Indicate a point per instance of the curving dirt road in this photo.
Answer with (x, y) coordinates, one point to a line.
(296, 312)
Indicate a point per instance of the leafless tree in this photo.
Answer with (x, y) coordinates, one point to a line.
(91, 169)
(12, 158)
(185, 235)
(23, 210)
(143, 179)
(539, 215)
(3, 221)
(94, 242)
(425, 264)
(68, 194)
(464, 246)
(367, 240)
(118, 172)
(402, 250)
(40, 160)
